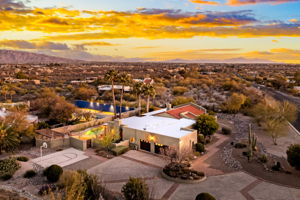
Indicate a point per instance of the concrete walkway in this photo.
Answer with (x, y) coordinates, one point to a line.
(200, 164)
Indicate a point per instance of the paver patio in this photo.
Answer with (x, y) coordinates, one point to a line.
(233, 186)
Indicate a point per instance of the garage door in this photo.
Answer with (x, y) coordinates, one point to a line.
(159, 148)
(145, 145)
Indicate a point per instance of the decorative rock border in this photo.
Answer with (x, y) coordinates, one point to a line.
(21, 193)
(178, 180)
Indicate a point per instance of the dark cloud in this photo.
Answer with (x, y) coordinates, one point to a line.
(83, 55)
(53, 46)
(18, 44)
(56, 21)
(22, 44)
(11, 4)
(247, 2)
(242, 16)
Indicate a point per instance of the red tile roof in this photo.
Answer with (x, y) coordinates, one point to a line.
(188, 111)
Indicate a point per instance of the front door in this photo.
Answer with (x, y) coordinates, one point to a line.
(89, 144)
(145, 145)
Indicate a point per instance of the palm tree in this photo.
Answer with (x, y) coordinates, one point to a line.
(111, 76)
(149, 91)
(138, 90)
(9, 140)
(124, 79)
(11, 92)
(4, 91)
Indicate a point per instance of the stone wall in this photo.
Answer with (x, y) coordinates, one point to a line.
(54, 143)
(82, 126)
(78, 144)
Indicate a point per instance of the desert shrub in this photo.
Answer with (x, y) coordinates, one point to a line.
(22, 158)
(293, 155)
(42, 125)
(119, 150)
(263, 158)
(205, 196)
(46, 189)
(276, 167)
(226, 131)
(72, 185)
(201, 138)
(135, 189)
(93, 188)
(6, 177)
(240, 146)
(182, 100)
(53, 173)
(196, 153)
(210, 112)
(246, 153)
(29, 174)
(179, 90)
(80, 184)
(200, 147)
(8, 167)
(182, 171)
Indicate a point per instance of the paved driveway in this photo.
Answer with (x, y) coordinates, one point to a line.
(233, 186)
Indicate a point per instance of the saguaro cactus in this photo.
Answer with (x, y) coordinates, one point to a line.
(252, 139)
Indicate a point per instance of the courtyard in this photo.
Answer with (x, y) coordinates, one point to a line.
(115, 172)
(237, 185)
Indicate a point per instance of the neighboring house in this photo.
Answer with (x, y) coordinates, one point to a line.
(116, 87)
(81, 82)
(145, 80)
(188, 111)
(30, 118)
(15, 80)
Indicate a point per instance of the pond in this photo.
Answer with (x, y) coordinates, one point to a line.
(100, 107)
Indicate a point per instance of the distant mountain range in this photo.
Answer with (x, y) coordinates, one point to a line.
(232, 60)
(22, 57)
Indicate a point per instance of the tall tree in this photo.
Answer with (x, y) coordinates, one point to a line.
(125, 80)
(149, 91)
(275, 116)
(85, 93)
(53, 106)
(234, 103)
(107, 139)
(138, 90)
(4, 91)
(111, 76)
(206, 125)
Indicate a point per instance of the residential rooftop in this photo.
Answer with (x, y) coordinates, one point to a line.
(170, 127)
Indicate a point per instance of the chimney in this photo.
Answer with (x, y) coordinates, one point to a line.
(169, 106)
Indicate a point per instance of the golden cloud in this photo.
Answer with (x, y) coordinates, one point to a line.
(205, 2)
(142, 23)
